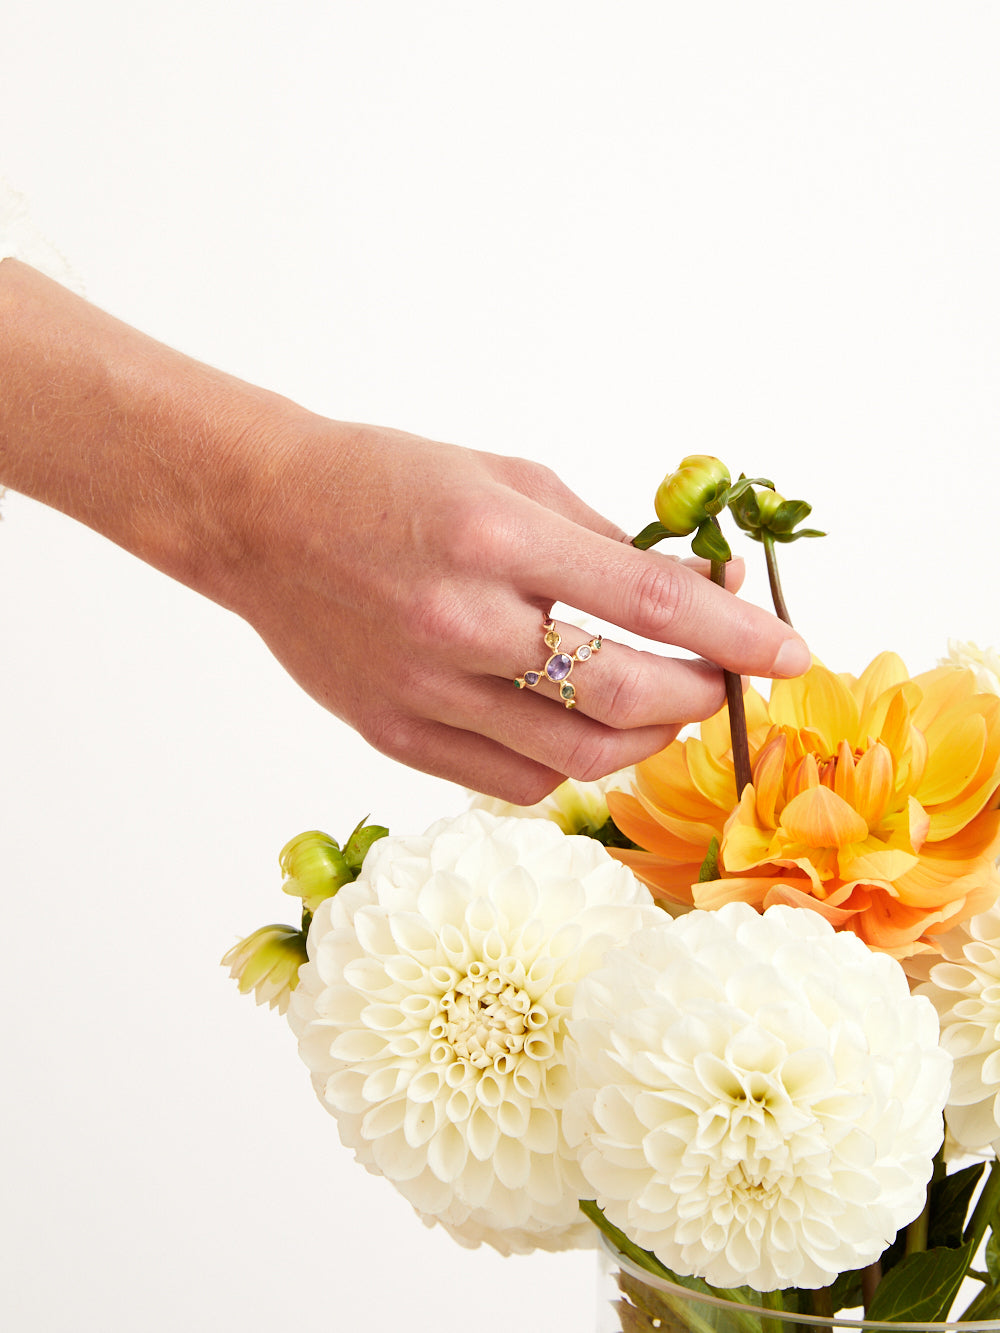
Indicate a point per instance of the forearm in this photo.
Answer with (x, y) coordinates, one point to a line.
(165, 456)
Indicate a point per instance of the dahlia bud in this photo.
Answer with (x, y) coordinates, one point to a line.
(766, 515)
(314, 868)
(684, 497)
(768, 504)
(267, 963)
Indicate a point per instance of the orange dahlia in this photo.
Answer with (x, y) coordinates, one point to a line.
(874, 802)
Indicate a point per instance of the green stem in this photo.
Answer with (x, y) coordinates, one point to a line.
(986, 1207)
(918, 1230)
(777, 597)
(772, 1300)
(737, 713)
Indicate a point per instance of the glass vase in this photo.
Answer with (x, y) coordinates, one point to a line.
(631, 1300)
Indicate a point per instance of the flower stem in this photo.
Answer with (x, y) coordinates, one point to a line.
(985, 1209)
(777, 597)
(737, 713)
(870, 1278)
(822, 1302)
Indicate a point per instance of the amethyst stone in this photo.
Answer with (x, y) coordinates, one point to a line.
(558, 666)
(531, 678)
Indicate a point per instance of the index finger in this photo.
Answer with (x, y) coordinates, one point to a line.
(658, 598)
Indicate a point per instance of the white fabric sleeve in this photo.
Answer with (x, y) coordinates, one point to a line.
(21, 239)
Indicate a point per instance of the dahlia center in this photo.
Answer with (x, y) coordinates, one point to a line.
(485, 1018)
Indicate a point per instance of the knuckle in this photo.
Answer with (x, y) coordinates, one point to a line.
(626, 697)
(590, 758)
(534, 480)
(393, 734)
(661, 597)
(433, 615)
(478, 535)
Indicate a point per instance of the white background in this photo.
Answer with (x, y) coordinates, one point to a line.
(603, 235)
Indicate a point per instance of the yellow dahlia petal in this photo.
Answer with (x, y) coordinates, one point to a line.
(768, 774)
(874, 783)
(664, 781)
(819, 818)
(670, 883)
(640, 823)
(844, 778)
(712, 776)
(818, 700)
(803, 777)
(871, 689)
(878, 862)
(954, 758)
(792, 895)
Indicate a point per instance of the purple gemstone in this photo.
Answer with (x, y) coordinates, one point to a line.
(558, 666)
(531, 678)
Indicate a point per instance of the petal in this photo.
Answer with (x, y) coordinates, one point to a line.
(819, 818)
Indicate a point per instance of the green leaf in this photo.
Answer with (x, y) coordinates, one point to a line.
(985, 1306)
(610, 835)
(950, 1199)
(710, 865)
(709, 543)
(788, 514)
(922, 1287)
(650, 535)
(360, 842)
(993, 1256)
(794, 536)
(746, 511)
(845, 1292)
(740, 488)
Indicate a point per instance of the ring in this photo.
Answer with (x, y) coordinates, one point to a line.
(559, 665)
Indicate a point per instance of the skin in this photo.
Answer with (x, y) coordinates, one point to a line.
(402, 582)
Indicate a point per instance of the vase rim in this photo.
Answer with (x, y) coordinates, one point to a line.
(858, 1324)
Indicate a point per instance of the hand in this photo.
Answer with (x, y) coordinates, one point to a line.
(402, 582)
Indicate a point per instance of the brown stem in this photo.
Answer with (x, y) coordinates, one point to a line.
(777, 597)
(870, 1278)
(737, 713)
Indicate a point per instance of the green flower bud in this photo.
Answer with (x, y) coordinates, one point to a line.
(360, 843)
(768, 504)
(766, 515)
(683, 499)
(314, 868)
(267, 963)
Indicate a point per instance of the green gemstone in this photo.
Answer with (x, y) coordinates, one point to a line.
(567, 691)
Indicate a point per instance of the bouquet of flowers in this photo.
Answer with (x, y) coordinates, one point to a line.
(739, 1009)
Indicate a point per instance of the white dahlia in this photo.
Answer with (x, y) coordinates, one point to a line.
(575, 807)
(965, 990)
(432, 1017)
(758, 1099)
(985, 662)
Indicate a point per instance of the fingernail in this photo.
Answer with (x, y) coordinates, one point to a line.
(793, 658)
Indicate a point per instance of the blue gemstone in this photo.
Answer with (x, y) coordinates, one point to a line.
(558, 666)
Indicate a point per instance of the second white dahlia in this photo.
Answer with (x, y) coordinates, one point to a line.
(758, 1098)
(432, 1017)
(965, 990)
